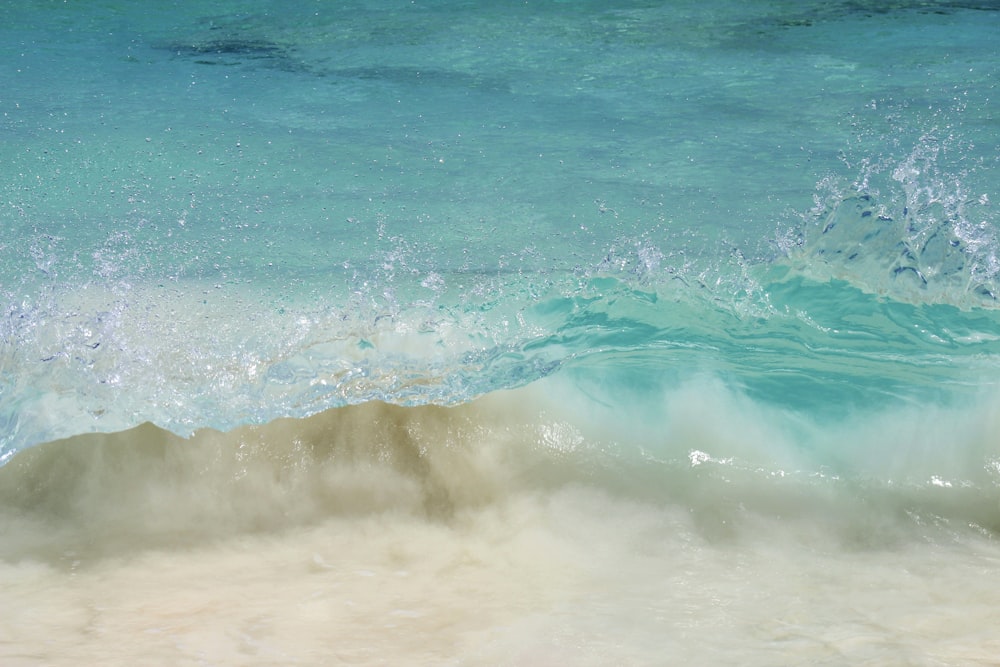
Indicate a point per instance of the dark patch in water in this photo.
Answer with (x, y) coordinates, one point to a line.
(254, 48)
(232, 50)
(878, 8)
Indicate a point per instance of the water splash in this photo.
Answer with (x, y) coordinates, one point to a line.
(921, 237)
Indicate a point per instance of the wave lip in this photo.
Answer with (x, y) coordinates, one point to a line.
(186, 358)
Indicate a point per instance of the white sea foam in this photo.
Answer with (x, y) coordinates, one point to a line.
(573, 575)
(524, 528)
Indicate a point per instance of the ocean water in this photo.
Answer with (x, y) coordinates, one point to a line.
(377, 332)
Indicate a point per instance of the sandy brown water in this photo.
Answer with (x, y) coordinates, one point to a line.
(379, 535)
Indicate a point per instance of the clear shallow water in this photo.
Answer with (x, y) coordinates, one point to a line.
(664, 293)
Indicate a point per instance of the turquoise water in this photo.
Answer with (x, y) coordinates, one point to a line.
(712, 277)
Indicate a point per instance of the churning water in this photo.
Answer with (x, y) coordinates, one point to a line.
(539, 333)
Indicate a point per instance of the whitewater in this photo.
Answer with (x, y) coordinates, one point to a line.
(463, 333)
